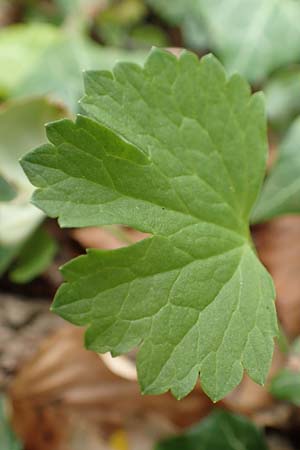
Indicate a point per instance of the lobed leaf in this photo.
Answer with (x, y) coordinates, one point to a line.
(177, 150)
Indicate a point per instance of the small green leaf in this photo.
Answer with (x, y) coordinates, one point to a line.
(282, 93)
(220, 431)
(166, 151)
(7, 255)
(34, 257)
(286, 386)
(187, 15)
(295, 348)
(148, 36)
(8, 439)
(281, 191)
(172, 11)
(21, 127)
(7, 192)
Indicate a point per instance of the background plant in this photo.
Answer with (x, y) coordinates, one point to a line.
(41, 80)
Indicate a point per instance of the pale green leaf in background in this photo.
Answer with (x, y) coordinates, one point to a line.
(7, 192)
(34, 257)
(281, 191)
(7, 255)
(173, 11)
(253, 38)
(220, 431)
(282, 93)
(285, 385)
(165, 151)
(21, 127)
(187, 15)
(250, 37)
(21, 46)
(125, 24)
(149, 36)
(55, 67)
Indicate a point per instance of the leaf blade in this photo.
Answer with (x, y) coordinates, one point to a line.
(185, 294)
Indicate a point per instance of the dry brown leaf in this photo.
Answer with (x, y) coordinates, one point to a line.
(23, 323)
(277, 442)
(65, 388)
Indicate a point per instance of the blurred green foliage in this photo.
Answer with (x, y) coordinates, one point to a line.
(219, 431)
(8, 439)
(21, 128)
(285, 385)
(53, 64)
(252, 38)
(281, 191)
(44, 47)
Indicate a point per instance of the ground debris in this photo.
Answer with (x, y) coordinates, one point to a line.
(23, 324)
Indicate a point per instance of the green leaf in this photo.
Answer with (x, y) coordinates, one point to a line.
(281, 191)
(56, 68)
(220, 431)
(19, 52)
(21, 127)
(166, 151)
(8, 439)
(148, 36)
(187, 15)
(282, 93)
(7, 192)
(252, 38)
(34, 257)
(286, 386)
(286, 383)
(7, 255)
(295, 348)
(172, 11)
